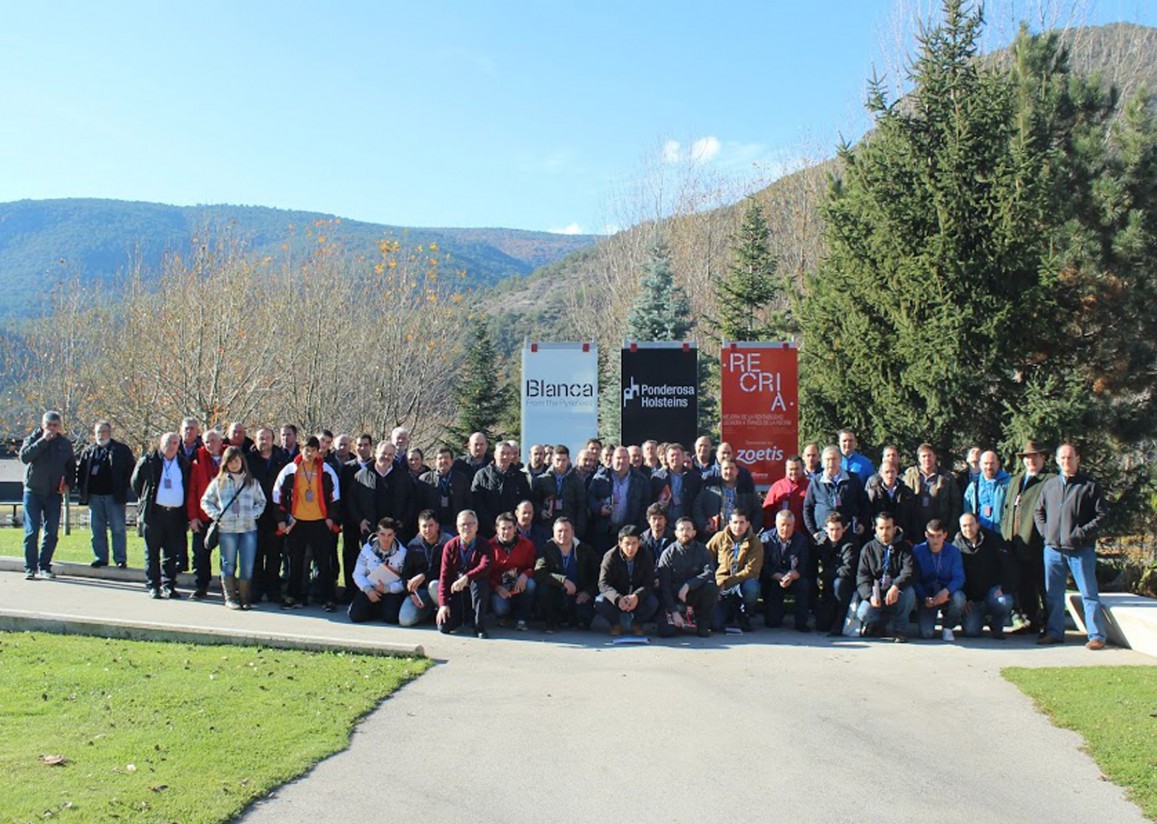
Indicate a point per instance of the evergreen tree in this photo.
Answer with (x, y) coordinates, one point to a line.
(748, 295)
(482, 394)
(990, 261)
(661, 311)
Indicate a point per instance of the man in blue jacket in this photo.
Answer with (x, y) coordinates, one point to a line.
(986, 494)
(939, 582)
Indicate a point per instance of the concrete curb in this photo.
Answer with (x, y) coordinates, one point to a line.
(15, 620)
(131, 575)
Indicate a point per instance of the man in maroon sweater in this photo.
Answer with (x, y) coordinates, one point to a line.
(464, 582)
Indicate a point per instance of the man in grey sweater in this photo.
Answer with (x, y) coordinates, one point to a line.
(49, 472)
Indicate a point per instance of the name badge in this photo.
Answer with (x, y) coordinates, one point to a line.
(167, 483)
(309, 496)
(236, 507)
(95, 469)
(1017, 501)
(988, 511)
(926, 501)
(445, 501)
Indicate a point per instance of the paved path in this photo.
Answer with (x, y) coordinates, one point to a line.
(771, 726)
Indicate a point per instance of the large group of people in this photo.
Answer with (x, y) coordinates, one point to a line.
(637, 536)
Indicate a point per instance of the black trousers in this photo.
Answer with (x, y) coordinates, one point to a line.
(386, 608)
(267, 565)
(702, 599)
(351, 546)
(202, 560)
(1031, 584)
(317, 537)
(557, 607)
(467, 605)
(164, 534)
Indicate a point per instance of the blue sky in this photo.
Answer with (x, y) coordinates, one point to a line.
(534, 115)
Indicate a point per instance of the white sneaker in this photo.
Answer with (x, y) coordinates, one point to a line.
(948, 635)
(46, 575)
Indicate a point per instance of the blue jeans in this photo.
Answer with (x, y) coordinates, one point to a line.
(40, 511)
(520, 605)
(410, 614)
(1083, 566)
(106, 515)
(234, 544)
(897, 614)
(952, 612)
(996, 608)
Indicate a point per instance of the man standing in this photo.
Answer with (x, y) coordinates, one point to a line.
(812, 466)
(381, 490)
(616, 497)
(190, 439)
(937, 495)
(475, 457)
(560, 492)
(235, 436)
(834, 490)
(704, 460)
(289, 441)
(103, 477)
(987, 493)
(498, 487)
(1070, 513)
(49, 472)
(939, 582)
(651, 460)
(537, 464)
(715, 502)
(887, 493)
(308, 495)
(265, 463)
(674, 486)
(464, 581)
(626, 581)
(788, 492)
(850, 459)
(1025, 541)
(204, 469)
(159, 481)
(445, 488)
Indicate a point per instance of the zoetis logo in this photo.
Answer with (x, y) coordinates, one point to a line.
(759, 453)
(658, 395)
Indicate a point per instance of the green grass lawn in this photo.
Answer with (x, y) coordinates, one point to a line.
(171, 732)
(1115, 711)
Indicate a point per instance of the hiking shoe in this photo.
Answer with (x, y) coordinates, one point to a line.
(520, 625)
(637, 629)
(155, 594)
(481, 633)
(948, 635)
(30, 575)
(1048, 640)
(899, 638)
(98, 564)
(46, 575)
(1095, 644)
(616, 630)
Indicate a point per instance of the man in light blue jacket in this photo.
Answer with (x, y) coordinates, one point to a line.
(986, 494)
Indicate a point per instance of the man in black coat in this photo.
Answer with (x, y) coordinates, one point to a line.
(159, 481)
(626, 584)
(445, 489)
(266, 460)
(616, 497)
(103, 476)
(498, 487)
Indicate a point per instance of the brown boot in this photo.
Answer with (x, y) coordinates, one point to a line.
(229, 587)
(244, 592)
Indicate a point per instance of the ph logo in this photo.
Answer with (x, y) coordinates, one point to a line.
(631, 392)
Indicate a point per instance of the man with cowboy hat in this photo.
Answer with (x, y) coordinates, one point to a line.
(1024, 539)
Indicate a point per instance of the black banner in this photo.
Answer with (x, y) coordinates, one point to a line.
(660, 393)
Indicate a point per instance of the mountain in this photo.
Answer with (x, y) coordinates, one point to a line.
(99, 239)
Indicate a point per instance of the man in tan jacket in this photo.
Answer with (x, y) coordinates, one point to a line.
(739, 555)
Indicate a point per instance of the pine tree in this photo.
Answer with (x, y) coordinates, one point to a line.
(748, 295)
(481, 393)
(661, 311)
(991, 255)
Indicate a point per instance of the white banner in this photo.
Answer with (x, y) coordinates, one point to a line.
(560, 395)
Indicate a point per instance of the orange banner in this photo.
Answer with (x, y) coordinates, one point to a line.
(760, 406)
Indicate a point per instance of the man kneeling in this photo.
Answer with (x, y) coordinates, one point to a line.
(687, 581)
(379, 576)
(625, 580)
(884, 580)
(939, 582)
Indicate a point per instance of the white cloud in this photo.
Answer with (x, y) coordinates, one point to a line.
(672, 151)
(569, 229)
(705, 149)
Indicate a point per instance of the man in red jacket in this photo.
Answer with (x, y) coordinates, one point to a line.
(206, 464)
(512, 573)
(788, 492)
(464, 582)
